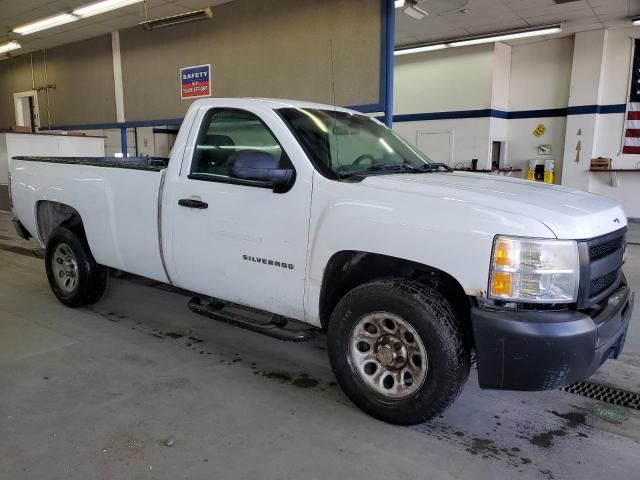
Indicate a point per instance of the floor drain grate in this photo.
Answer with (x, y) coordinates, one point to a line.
(606, 394)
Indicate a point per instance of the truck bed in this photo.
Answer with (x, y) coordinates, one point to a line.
(117, 199)
(154, 164)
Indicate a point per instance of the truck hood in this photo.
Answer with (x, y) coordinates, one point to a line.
(568, 213)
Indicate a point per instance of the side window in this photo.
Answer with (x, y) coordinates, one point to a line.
(226, 133)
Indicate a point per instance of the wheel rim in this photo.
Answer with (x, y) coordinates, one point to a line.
(388, 355)
(65, 268)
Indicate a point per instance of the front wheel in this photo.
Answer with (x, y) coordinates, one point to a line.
(74, 276)
(398, 351)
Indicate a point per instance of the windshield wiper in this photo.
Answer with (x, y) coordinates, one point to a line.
(432, 167)
(399, 167)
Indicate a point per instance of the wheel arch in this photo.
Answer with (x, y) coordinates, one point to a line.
(51, 215)
(348, 269)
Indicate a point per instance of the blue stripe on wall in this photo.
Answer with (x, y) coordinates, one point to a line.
(518, 114)
(408, 117)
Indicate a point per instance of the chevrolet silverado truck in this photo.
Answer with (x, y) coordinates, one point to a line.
(323, 219)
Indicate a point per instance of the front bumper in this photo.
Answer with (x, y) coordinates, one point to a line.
(538, 350)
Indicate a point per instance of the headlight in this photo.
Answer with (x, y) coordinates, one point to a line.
(534, 271)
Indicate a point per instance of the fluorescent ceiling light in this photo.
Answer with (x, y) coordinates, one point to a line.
(7, 47)
(101, 7)
(425, 48)
(635, 21)
(194, 16)
(507, 36)
(399, 3)
(45, 23)
(512, 35)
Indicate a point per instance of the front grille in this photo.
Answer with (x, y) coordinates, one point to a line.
(601, 264)
(600, 284)
(599, 250)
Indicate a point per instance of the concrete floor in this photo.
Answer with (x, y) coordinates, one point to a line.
(99, 392)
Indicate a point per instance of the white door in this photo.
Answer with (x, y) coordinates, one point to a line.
(238, 242)
(438, 146)
(26, 109)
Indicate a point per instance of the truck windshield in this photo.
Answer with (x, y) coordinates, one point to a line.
(343, 144)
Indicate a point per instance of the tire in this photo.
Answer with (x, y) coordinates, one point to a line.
(74, 276)
(434, 352)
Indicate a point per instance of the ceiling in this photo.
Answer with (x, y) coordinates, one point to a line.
(445, 22)
(14, 13)
(489, 16)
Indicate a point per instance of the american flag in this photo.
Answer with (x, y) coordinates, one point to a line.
(632, 125)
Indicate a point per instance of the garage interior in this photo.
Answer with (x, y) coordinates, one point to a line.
(136, 386)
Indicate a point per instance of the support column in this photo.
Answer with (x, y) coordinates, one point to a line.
(118, 88)
(390, 46)
(584, 97)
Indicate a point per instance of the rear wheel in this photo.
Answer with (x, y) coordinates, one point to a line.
(74, 276)
(398, 350)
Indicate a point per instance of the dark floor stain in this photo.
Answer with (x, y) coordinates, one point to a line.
(583, 435)
(574, 419)
(459, 434)
(547, 474)
(157, 335)
(284, 377)
(195, 339)
(173, 335)
(236, 360)
(525, 461)
(484, 445)
(305, 382)
(545, 439)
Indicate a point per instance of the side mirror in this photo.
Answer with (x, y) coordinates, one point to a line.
(262, 168)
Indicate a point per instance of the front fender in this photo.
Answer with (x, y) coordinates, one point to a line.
(452, 236)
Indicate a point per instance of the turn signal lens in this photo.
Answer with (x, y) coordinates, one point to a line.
(501, 284)
(503, 253)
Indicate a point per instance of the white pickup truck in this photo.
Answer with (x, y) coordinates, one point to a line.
(322, 216)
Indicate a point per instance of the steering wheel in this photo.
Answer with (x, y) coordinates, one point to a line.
(360, 160)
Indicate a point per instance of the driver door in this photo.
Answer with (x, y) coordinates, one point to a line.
(232, 240)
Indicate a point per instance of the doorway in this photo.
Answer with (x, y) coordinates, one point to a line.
(26, 108)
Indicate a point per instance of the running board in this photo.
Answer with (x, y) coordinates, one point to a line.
(276, 328)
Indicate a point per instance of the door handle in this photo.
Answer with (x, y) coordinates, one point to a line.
(191, 203)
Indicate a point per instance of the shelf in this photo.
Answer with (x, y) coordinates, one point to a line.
(495, 170)
(615, 170)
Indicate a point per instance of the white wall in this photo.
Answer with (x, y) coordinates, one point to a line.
(523, 145)
(540, 79)
(589, 68)
(470, 137)
(441, 81)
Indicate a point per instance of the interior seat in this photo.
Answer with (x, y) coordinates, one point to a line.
(214, 157)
